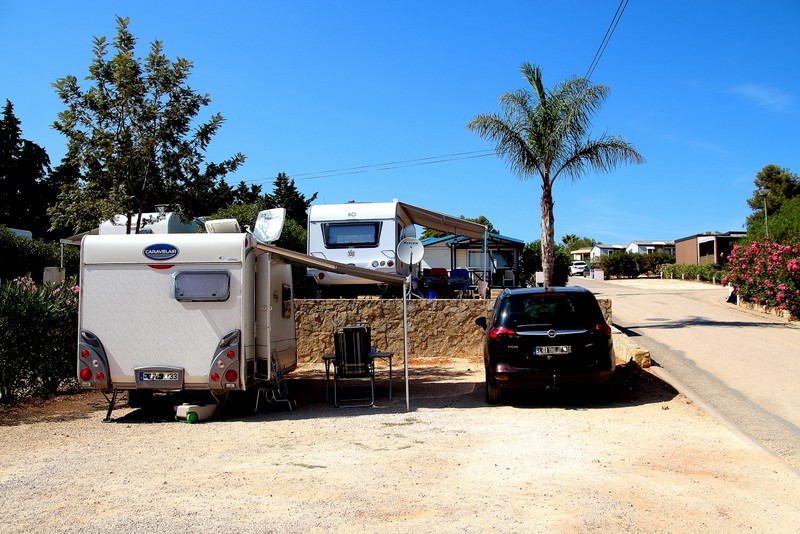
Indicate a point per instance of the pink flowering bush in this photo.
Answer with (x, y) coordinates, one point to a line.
(768, 274)
(38, 337)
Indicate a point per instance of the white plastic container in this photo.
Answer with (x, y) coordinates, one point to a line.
(192, 413)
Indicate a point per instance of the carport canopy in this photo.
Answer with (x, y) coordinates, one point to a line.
(442, 222)
(300, 258)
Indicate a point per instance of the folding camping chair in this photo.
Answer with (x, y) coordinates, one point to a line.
(353, 366)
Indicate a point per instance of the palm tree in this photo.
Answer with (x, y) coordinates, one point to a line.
(546, 134)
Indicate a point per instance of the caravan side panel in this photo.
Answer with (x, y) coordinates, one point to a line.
(275, 324)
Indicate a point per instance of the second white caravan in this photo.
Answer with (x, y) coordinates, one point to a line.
(364, 234)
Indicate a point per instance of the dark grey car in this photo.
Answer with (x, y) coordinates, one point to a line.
(544, 338)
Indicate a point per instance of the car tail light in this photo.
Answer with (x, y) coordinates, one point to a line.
(86, 375)
(85, 353)
(603, 328)
(500, 331)
(321, 276)
(231, 354)
(231, 375)
(501, 376)
(390, 263)
(215, 377)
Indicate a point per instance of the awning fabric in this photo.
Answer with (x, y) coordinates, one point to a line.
(300, 258)
(442, 222)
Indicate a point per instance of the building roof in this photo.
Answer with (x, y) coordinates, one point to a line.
(661, 242)
(731, 235)
(462, 240)
(609, 246)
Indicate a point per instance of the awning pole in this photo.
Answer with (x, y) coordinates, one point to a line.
(485, 256)
(406, 287)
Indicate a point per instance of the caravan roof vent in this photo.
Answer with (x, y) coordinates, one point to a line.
(269, 225)
(223, 226)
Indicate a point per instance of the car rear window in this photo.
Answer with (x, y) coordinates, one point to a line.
(560, 311)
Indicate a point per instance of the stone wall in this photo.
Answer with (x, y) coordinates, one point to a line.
(786, 315)
(437, 328)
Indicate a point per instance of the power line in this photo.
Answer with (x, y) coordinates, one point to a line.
(391, 165)
(607, 38)
(332, 173)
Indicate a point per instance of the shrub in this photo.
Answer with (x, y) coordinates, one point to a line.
(767, 273)
(38, 337)
(619, 265)
(650, 264)
(711, 272)
(31, 256)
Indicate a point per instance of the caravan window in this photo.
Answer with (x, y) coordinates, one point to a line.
(202, 286)
(354, 234)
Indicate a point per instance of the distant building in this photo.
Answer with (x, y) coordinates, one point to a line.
(651, 247)
(458, 252)
(582, 254)
(604, 250)
(701, 249)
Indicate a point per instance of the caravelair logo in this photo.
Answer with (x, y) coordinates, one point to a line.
(160, 252)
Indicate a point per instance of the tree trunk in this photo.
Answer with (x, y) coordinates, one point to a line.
(548, 233)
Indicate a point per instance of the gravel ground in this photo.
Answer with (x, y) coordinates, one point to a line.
(647, 461)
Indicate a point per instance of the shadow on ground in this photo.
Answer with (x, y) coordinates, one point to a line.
(430, 387)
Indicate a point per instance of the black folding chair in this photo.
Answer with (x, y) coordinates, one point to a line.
(353, 366)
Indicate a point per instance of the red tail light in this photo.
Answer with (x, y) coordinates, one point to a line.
(231, 375)
(602, 328)
(86, 375)
(215, 377)
(231, 354)
(500, 331)
(85, 353)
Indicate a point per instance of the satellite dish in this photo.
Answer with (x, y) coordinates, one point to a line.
(269, 225)
(410, 250)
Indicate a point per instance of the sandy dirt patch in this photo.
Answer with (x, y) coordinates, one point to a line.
(648, 461)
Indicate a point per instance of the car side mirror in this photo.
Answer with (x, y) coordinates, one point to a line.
(481, 321)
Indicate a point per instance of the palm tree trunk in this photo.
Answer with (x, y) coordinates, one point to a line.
(548, 233)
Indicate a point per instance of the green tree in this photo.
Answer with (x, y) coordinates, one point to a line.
(784, 224)
(286, 195)
(245, 209)
(24, 187)
(573, 242)
(783, 186)
(531, 262)
(545, 133)
(135, 137)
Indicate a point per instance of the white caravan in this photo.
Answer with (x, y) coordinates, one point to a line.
(363, 234)
(183, 312)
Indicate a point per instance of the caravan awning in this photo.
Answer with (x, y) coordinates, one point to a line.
(442, 222)
(300, 258)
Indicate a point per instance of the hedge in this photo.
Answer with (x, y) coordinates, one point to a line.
(38, 339)
(28, 257)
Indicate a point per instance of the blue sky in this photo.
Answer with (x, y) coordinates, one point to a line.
(706, 91)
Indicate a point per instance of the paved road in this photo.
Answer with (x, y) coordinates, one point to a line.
(743, 365)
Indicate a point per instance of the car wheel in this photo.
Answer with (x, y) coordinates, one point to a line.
(493, 393)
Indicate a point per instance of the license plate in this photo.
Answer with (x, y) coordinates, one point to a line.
(147, 376)
(552, 349)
